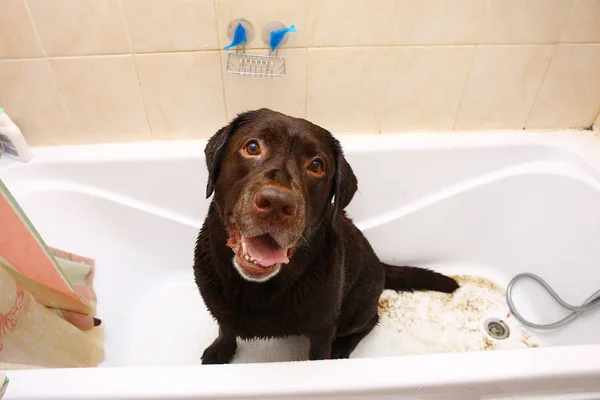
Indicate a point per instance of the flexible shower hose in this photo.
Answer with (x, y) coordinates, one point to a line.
(590, 303)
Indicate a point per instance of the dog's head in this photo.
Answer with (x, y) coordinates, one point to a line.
(274, 178)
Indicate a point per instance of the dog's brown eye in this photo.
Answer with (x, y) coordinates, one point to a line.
(252, 148)
(316, 166)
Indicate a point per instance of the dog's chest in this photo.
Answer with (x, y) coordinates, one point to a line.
(250, 315)
(263, 323)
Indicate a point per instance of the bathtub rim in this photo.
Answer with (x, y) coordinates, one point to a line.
(474, 374)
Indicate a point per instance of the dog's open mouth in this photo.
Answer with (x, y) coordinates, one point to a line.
(259, 254)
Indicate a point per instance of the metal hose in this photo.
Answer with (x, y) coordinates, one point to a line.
(590, 303)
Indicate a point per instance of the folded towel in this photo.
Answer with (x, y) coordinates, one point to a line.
(35, 336)
(30, 262)
(47, 299)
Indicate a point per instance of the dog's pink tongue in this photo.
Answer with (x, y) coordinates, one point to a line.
(265, 251)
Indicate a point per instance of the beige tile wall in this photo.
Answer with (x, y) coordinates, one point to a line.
(74, 71)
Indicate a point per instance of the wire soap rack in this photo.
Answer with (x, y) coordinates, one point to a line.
(243, 62)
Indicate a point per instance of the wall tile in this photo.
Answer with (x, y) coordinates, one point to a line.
(525, 21)
(425, 87)
(103, 98)
(76, 27)
(393, 22)
(502, 86)
(364, 70)
(570, 94)
(584, 24)
(261, 12)
(346, 88)
(158, 25)
(30, 97)
(333, 23)
(17, 35)
(285, 94)
(183, 93)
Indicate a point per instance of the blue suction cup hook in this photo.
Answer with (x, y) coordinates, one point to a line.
(278, 35)
(239, 37)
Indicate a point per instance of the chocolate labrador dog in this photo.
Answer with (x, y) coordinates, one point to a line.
(277, 256)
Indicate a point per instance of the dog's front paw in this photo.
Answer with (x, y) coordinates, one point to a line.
(219, 352)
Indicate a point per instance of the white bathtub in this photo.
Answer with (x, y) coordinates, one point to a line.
(493, 204)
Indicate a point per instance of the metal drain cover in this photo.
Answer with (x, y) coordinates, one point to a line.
(496, 328)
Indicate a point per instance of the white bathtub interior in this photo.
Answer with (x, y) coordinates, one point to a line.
(490, 206)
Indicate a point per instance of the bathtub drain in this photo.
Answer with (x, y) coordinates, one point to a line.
(496, 328)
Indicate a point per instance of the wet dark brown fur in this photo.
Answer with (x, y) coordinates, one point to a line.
(330, 289)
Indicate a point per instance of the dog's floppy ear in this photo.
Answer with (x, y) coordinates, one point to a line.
(215, 148)
(345, 183)
(214, 154)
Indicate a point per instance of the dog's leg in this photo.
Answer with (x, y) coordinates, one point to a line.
(222, 350)
(320, 343)
(343, 346)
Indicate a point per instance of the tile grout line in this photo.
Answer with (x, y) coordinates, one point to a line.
(221, 62)
(306, 63)
(306, 84)
(564, 28)
(464, 89)
(135, 69)
(539, 89)
(35, 30)
(142, 53)
(477, 44)
(386, 88)
(63, 104)
(385, 93)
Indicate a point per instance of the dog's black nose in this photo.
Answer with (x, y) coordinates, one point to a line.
(275, 204)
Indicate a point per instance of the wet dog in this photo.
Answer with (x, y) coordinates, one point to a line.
(277, 256)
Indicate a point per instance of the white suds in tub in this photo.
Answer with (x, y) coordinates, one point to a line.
(410, 323)
(430, 322)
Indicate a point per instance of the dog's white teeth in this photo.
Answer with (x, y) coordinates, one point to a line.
(247, 257)
(244, 248)
(251, 259)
